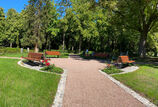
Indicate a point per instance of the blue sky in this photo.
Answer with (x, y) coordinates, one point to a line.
(16, 4)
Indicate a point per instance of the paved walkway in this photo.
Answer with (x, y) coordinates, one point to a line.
(86, 87)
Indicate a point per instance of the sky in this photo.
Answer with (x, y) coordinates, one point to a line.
(18, 5)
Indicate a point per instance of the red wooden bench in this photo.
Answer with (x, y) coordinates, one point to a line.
(52, 53)
(35, 57)
(124, 60)
(101, 55)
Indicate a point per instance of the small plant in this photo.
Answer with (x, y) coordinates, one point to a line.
(53, 68)
(111, 69)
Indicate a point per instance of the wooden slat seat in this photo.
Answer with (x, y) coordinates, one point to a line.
(35, 57)
(124, 60)
(57, 53)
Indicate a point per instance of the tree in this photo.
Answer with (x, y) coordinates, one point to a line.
(50, 23)
(35, 16)
(139, 15)
(11, 26)
(2, 25)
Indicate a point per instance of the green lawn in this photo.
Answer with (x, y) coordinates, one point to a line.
(22, 87)
(143, 81)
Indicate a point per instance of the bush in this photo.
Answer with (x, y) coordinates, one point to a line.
(6, 50)
(53, 68)
(111, 70)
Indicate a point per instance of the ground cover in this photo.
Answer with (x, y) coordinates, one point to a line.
(143, 81)
(53, 68)
(111, 70)
(24, 87)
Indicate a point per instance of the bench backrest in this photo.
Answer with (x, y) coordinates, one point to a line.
(101, 54)
(35, 55)
(123, 59)
(52, 53)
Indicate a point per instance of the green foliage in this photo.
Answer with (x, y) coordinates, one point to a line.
(12, 31)
(53, 68)
(2, 25)
(75, 25)
(111, 70)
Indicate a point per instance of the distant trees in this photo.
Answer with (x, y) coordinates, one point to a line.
(11, 27)
(100, 25)
(2, 25)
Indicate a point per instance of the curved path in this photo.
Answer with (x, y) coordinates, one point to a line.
(86, 87)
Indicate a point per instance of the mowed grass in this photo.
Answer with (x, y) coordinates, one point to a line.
(143, 81)
(22, 87)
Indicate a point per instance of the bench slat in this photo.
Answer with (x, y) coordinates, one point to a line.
(35, 56)
(124, 59)
(52, 53)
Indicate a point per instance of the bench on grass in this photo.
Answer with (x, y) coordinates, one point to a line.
(100, 55)
(52, 53)
(35, 57)
(124, 60)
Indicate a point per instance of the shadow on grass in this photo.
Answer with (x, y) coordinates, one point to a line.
(32, 63)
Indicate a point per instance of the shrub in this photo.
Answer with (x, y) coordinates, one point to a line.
(53, 68)
(7, 50)
(111, 69)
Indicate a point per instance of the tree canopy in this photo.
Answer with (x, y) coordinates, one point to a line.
(115, 26)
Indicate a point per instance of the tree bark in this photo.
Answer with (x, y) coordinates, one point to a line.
(80, 43)
(11, 44)
(63, 41)
(142, 45)
(155, 54)
(36, 48)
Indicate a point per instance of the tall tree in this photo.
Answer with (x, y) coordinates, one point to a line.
(139, 15)
(11, 26)
(35, 20)
(50, 23)
(2, 25)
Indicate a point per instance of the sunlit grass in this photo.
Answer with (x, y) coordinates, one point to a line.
(22, 87)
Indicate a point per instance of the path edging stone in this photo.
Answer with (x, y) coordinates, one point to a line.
(60, 92)
(137, 96)
(125, 70)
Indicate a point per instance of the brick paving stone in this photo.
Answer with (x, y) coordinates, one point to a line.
(86, 87)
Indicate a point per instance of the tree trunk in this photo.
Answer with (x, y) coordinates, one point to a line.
(63, 41)
(155, 54)
(80, 43)
(11, 44)
(72, 48)
(36, 48)
(142, 45)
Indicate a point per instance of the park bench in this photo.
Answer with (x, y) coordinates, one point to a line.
(57, 53)
(100, 55)
(124, 60)
(35, 57)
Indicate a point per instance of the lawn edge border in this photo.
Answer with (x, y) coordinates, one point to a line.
(60, 91)
(137, 96)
